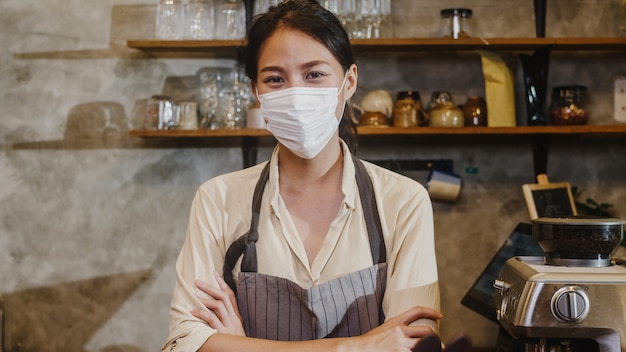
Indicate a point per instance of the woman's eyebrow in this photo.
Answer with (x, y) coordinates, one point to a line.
(314, 63)
(306, 65)
(271, 69)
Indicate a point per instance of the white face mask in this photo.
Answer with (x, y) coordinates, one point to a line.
(301, 118)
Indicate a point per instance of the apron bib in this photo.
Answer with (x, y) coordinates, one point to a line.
(278, 309)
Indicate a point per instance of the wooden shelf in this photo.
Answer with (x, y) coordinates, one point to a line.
(516, 44)
(387, 131)
(518, 130)
(155, 44)
(540, 135)
(407, 44)
(245, 132)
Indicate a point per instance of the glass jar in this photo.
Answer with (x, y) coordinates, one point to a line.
(443, 112)
(569, 105)
(230, 19)
(475, 111)
(231, 111)
(170, 19)
(199, 19)
(456, 23)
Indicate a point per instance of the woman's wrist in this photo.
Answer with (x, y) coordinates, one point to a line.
(347, 344)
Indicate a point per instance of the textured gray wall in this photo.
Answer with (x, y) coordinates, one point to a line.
(80, 200)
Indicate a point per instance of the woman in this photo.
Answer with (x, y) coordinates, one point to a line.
(315, 242)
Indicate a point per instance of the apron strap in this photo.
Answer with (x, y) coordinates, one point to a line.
(370, 211)
(246, 244)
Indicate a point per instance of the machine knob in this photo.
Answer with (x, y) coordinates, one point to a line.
(570, 304)
(502, 291)
(500, 285)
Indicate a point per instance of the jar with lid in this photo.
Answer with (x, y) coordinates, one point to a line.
(405, 110)
(443, 112)
(475, 111)
(569, 105)
(456, 23)
(420, 110)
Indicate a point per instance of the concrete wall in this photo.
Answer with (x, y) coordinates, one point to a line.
(91, 220)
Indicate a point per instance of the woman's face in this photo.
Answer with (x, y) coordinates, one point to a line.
(290, 58)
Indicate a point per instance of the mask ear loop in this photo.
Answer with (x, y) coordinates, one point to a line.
(339, 91)
(345, 102)
(342, 82)
(256, 94)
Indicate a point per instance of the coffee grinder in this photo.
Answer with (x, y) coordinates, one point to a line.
(571, 299)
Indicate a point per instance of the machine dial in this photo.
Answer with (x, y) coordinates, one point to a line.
(502, 288)
(570, 304)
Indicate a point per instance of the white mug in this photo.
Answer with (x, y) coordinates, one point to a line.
(444, 186)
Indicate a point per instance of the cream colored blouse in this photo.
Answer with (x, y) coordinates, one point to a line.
(221, 211)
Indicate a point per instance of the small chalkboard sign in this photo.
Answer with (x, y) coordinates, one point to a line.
(545, 199)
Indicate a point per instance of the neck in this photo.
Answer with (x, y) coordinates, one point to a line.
(295, 171)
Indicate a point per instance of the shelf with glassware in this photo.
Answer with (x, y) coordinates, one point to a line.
(540, 134)
(407, 44)
(373, 131)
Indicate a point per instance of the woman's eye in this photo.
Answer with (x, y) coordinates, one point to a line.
(315, 75)
(272, 79)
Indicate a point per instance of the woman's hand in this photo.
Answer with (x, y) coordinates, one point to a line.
(432, 343)
(223, 314)
(396, 334)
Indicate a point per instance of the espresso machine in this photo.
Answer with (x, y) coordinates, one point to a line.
(571, 299)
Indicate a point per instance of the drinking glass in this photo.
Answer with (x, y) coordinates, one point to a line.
(199, 19)
(346, 12)
(386, 21)
(622, 21)
(170, 18)
(151, 115)
(188, 119)
(261, 6)
(376, 18)
(230, 20)
(160, 113)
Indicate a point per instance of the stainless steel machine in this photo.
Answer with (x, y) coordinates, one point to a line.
(571, 299)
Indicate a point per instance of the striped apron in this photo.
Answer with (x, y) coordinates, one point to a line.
(278, 309)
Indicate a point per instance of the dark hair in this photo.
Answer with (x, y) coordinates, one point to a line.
(312, 19)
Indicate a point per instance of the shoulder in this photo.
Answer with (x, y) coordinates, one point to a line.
(232, 185)
(396, 193)
(385, 180)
